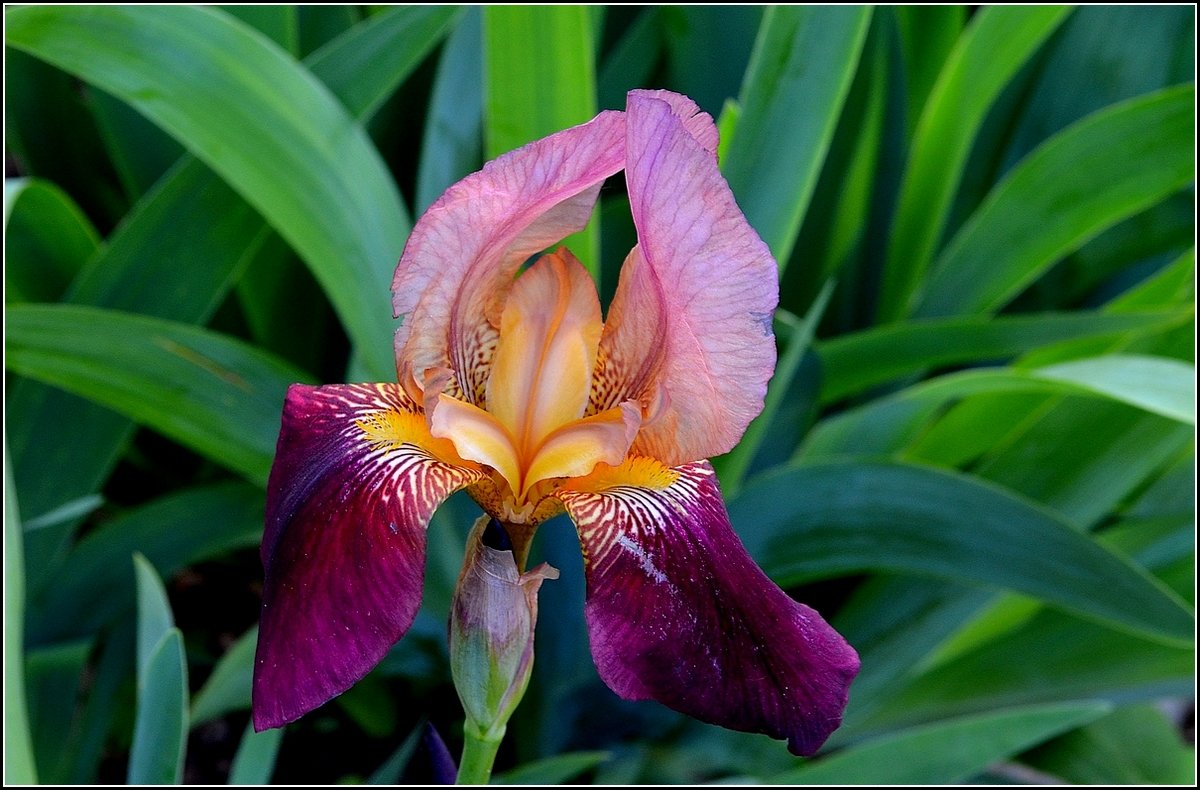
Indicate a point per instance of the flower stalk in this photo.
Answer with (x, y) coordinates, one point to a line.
(492, 623)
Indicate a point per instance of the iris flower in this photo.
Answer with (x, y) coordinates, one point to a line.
(512, 386)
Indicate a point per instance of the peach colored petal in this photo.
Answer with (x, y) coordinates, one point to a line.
(688, 334)
(575, 449)
(457, 268)
(547, 350)
(477, 436)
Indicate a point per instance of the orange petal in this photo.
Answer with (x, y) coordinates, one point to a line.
(476, 435)
(547, 351)
(575, 449)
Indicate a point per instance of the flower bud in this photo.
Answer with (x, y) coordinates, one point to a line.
(491, 628)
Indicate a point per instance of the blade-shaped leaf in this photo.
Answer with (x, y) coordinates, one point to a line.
(556, 770)
(946, 752)
(47, 240)
(160, 730)
(526, 98)
(1156, 384)
(210, 392)
(18, 748)
(798, 77)
(255, 759)
(860, 360)
(260, 121)
(228, 687)
(159, 734)
(1088, 177)
(997, 42)
(859, 516)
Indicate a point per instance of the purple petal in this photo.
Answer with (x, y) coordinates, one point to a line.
(355, 479)
(678, 612)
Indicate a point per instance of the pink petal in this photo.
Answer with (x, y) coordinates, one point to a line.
(459, 263)
(689, 330)
(678, 612)
(355, 479)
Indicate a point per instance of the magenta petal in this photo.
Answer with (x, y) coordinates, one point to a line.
(350, 495)
(679, 613)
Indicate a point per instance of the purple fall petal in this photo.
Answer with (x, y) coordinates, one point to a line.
(350, 495)
(678, 612)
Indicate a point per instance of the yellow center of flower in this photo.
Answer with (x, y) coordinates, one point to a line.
(533, 427)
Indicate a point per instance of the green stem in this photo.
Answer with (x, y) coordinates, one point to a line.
(478, 755)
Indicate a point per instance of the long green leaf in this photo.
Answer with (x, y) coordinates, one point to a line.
(156, 756)
(160, 730)
(452, 143)
(260, 121)
(47, 240)
(207, 391)
(255, 759)
(556, 770)
(363, 68)
(527, 97)
(1163, 386)
(93, 588)
(855, 362)
(994, 47)
(798, 78)
(927, 36)
(946, 752)
(1052, 658)
(1136, 745)
(1087, 178)
(859, 516)
(53, 675)
(888, 424)
(228, 687)
(18, 748)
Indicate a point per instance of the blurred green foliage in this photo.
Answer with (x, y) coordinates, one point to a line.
(978, 452)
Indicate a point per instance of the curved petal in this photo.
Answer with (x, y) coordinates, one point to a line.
(355, 479)
(688, 334)
(678, 612)
(458, 265)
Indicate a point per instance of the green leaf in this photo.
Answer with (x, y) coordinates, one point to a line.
(1159, 385)
(255, 759)
(140, 151)
(47, 240)
(1136, 745)
(279, 23)
(207, 391)
(947, 752)
(798, 77)
(153, 609)
(54, 675)
(857, 361)
(18, 749)
(996, 44)
(705, 50)
(159, 735)
(888, 424)
(261, 122)
(631, 61)
(452, 143)
(93, 589)
(927, 35)
(733, 466)
(390, 772)
(160, 730)
(1052, 658)
(363, 67)
(556, 770)
(228, 687)
(1088, 177)
(883, 516)
(528, 97)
